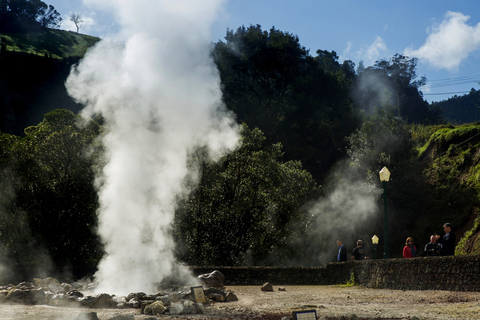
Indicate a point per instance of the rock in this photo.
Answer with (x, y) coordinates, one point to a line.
(133, 303)
(75, 293)
(155, 308)
(49, 283)
(282, 289)
(104, 300)
(25, 296)
(185, 307)
(137, 296)
(214, 279)
(230, 296)
(87, 301)
(217, 297)
(267, 287)
(87, 316)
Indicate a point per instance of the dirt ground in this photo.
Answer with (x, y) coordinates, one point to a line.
(329, 302)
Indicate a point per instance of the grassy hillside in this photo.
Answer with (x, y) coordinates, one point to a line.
(34, 68)
(451, 158)
(53, 43)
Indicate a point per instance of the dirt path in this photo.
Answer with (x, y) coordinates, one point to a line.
(330, 302)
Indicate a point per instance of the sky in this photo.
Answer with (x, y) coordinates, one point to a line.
(443, 35)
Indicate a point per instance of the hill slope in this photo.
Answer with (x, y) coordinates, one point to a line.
(33, 70)
(53, 43)
(452, 170)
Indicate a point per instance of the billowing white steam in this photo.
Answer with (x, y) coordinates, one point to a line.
(159, 93)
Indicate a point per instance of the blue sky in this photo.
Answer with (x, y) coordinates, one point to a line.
(443, 35)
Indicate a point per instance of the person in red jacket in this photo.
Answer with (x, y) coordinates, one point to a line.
(409, 251)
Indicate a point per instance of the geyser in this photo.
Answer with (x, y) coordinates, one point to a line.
(158, 91)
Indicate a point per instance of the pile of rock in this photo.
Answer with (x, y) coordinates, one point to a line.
(51, 292)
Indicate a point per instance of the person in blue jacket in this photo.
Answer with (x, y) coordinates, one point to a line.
(342, 251)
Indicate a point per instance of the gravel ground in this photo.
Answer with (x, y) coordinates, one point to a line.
(330, 302)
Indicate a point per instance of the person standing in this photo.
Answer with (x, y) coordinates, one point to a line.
(431, 248)
(409, 251)
(447, 241)
(359, 252)
(342, 251)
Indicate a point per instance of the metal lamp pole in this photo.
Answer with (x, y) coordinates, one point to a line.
(384, 178)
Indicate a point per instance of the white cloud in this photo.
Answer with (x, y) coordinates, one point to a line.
(449, 43)
(376, 51)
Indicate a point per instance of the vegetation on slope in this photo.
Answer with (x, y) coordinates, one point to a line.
(52, 43)
(452, 170)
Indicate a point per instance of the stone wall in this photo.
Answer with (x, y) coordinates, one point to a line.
(456, 273)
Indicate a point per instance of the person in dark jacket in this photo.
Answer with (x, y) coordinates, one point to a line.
(432, 248)
(342, 251)
(447, 241)
(359, 252)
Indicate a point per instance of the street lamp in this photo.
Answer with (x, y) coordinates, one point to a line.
(384, 177)
(375, 242)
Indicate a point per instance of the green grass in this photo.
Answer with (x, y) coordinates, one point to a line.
(54, 43)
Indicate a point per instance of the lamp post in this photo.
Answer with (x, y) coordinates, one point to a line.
(375, 242)
(384, 177)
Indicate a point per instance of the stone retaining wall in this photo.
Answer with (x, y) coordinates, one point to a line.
(456, 273)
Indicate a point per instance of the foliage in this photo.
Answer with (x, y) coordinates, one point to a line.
(461, 109)
(57, 44)
(392, 84)
(27, 15)
(469, 243)
(243, 207)
(51, 175)
(271, 82)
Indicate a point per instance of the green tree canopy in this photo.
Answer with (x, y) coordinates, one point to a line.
(393, 84)
(271, 82)
(244, 206)
(52, 181)
(27, 15)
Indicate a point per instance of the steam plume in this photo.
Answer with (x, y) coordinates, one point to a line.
(159, 93)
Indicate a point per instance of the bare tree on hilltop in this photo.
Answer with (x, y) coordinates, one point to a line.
(77, 19)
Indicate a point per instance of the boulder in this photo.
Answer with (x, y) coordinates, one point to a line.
(185, 307)
(104, 300)
(267, 287)
(25, 296)
(155, 308)
(214, 279)
(230, 296)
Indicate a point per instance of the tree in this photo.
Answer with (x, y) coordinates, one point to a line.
(76, 18)
(271, 82)
(54, 166)
(27, 15)
(48, 17)
(244, 206)
(392, 84)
